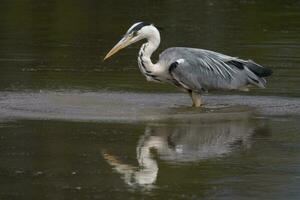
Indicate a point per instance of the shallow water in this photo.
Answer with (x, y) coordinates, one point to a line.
(220, 156)
(103, 106)
(74, 127)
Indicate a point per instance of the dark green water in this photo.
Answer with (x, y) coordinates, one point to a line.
(74, 127)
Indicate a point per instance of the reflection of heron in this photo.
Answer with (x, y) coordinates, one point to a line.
(193, 70)
(181, 143)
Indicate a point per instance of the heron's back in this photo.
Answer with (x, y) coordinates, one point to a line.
(204, 69)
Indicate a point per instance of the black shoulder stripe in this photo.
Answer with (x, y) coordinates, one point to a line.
(173, 66)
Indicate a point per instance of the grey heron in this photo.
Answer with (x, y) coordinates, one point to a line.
(192, 70)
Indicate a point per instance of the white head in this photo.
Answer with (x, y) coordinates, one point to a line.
(135, 33)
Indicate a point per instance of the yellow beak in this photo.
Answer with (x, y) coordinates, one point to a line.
(124, 42)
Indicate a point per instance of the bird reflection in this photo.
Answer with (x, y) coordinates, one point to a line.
(182, 143)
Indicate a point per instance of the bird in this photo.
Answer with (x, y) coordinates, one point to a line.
(192, 70)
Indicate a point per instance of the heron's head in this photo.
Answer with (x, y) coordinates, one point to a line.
(135, 33)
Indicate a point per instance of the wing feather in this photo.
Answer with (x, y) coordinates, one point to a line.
(203, 69)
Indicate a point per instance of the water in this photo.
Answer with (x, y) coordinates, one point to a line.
(74, 127)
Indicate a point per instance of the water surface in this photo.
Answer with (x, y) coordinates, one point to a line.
(74, 127)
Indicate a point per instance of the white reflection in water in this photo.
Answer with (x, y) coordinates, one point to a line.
(182, 143)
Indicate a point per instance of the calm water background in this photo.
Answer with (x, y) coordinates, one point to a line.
(74, 127)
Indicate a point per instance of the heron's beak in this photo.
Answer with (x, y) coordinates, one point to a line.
(124, 42)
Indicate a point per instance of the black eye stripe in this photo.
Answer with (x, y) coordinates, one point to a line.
(138, 27)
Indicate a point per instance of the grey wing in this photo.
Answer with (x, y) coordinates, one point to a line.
(200, 70)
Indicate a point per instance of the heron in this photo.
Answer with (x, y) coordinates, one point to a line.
(192, 70)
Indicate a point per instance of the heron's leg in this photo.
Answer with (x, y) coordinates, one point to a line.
(196, 97)
(190, 93)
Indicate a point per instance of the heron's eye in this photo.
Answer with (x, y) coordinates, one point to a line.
(134, 33)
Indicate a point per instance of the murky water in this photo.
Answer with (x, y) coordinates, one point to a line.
(73, 127)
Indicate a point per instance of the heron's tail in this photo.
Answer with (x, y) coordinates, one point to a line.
(258, 70)
(256, 73)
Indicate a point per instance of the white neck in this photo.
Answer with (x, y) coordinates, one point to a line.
(144, 58)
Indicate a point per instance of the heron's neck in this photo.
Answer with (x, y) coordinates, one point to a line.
(147, 49)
